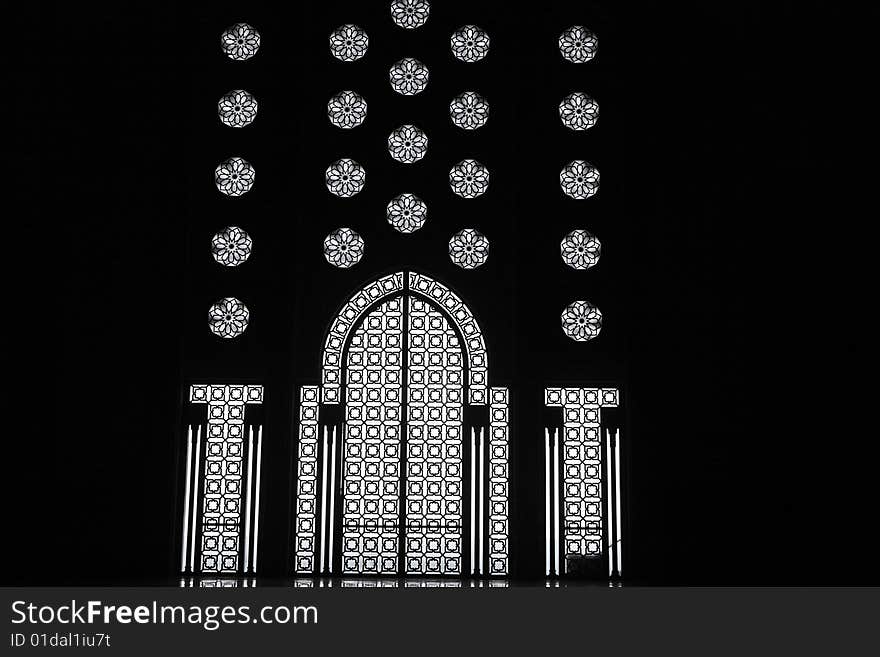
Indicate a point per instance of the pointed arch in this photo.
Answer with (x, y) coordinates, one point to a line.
(419, 285)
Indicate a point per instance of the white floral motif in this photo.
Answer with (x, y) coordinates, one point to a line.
(348, 43)
(580, 249)
(345, 178)
(469, 110)
(577, 44)
(407, 144)
(578, 111)
(406, 213)
(343, 248)
(468, 248)
(470, 43)
(231, 246)
(347, 109)
(469, 179)
(237, 109)
(408, 76)
(579, 179)
(240, 42)
(581, 321)
(228, 318)
(234, 177)
(410, 14)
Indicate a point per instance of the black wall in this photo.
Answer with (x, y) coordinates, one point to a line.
(714, 320)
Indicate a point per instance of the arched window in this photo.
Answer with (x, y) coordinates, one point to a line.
(403, 480)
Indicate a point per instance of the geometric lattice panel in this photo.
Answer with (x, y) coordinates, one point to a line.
(499, 445)
(402, 358)
(342, 326)
(434, 443)
(581, 475)
(371, 478)
(344, 323)
(307, 481)
(224, 478)
(478, 362)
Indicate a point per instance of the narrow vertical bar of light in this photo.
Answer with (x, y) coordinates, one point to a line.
(257, 496)
(482, 450)
(195, 508)
(609, 487)
(332, 501)
(473, 500)
(342, 439)
(547, 538)
(556, 510)
(185, 549)
(247, 504)
(619, 545)
(324, 501)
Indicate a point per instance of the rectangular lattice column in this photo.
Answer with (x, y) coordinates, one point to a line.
(435, 378)
(307, 481)
(371, 475)
(498, 480)
(579, 475)
(225, 503)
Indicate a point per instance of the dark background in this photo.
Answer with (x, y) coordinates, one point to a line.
(728, 277)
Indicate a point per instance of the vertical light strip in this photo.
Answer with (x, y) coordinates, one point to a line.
(344, 434)
(247, 504)
(609, 487)
(257, 494)
(184, 549)
(195, 509)
(324, 501)
(473, 500)
(482, 451)
(617, 495)
(547, 538)
(332, 501)
(556, 513)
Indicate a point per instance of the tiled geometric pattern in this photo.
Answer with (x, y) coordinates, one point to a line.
(369, 584)
(366, 356)
(218, 583)
(499, 435)
(434, 443)
(342, 326)
(465, 321)
(582, 464)
(478, 361)
(307, 481)
(223, 478)
(371, 478)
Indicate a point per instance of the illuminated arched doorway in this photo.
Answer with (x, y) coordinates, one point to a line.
(399, 482)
